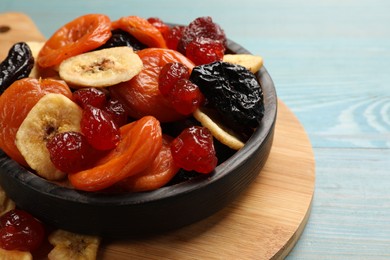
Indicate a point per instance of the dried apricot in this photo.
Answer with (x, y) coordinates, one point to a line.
(159, 173)
(83, 34)
(15, 103)
(141, 95)
(142, 30)
(140, 144)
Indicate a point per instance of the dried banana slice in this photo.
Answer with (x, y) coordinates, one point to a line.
(14, 255)
(101, 68)
(68, 245)
(52, 114)
(219, 132)
(249, 61)
(35, 47)
(6, 204)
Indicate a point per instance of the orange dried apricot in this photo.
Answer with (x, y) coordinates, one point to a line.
(83, 34)
(141, 95)
(159, 173)
(15, 103)
(142, 30)
(140, 144)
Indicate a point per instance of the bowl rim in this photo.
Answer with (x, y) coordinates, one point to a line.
(51, 189)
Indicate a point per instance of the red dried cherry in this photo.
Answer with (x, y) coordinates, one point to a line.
(99, 128)
(69, 151)
(185, 97)
(20, 231)
(117, 112)
(205, 51)
(202, 27)
(170, 74)
(194, 150)
(173, 37)
(89, 96)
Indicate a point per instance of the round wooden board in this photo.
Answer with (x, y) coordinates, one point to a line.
(264, 222)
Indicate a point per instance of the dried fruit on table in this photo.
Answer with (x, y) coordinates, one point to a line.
(83, 34)
(194, 150)
(142, 30)
(68, 245)
(6, 204)
(202, 27)
(101, 68)
(17, 65)
(16, 102)
(141, 96)
(15, 255)
(20, 231)
(52, 114)
(140, 143)
(159, 173)
(232, 91)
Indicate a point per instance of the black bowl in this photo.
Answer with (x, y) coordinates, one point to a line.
(164, 209)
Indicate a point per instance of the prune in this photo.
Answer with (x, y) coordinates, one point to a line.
(18, 64)
(202, 27)
(232, 90)
(122, 38)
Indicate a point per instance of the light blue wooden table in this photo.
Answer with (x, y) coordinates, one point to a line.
(330, 61)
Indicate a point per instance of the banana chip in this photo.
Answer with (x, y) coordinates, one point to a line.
(6, 204)
(14, 255)
(101, 68)
(251, 62)
(52, 114)
(68, 245)
(218, 131)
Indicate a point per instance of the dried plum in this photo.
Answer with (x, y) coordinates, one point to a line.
(18, 64)
(232, 90)
(122, 38)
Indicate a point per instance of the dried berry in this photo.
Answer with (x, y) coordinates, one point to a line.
(205, 50)
(232, 90)
(170, 74)
(193, 150)
(173, 36)
(18, 64)
(69, 151)
(185, 97)
(122, 38)
(89, 96)
(117, 112)
(99, 128)
(20, 231)
(202, 27)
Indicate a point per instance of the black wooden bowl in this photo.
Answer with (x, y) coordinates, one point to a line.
(167, 208)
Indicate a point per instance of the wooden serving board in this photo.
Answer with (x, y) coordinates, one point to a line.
(265, 221)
